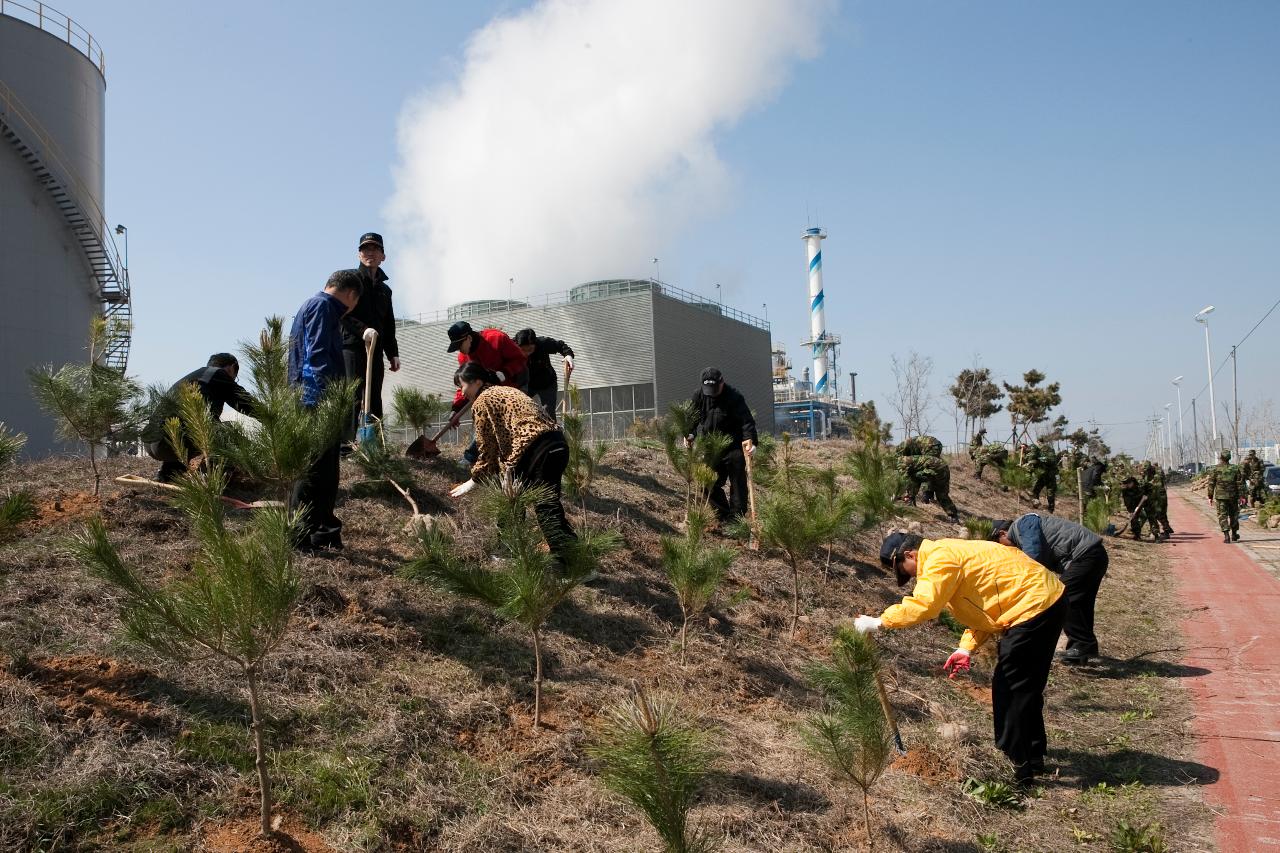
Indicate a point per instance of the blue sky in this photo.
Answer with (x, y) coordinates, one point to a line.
(1034, 184)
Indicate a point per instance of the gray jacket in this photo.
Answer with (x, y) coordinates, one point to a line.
(1051, 541)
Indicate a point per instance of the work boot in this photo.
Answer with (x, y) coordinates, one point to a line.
(1075, 656)
(1235, 536)
(1226, 537)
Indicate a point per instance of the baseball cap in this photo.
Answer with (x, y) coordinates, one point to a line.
(370, 237)
(891, 555)
(458, 332)
(711, 379)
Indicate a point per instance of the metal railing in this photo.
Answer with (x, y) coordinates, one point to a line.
(573, 296)
(55, 23)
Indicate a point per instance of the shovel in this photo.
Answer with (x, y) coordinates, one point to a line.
(753, 543)
(426, 448)
(135, 480)
(888, 714)
(368, 432)
(1137, 509)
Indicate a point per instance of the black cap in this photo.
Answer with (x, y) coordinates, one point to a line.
(999, 526)
(711, 379)
(370, 237)
(891, 555)
(458, 333)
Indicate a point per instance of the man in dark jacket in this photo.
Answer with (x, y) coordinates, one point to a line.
(543, 382)
(216, 382)
(315, 360)
(722, 408)
(373, 311)
(1074, 553)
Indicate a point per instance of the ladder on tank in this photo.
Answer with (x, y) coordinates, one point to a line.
(112, 283)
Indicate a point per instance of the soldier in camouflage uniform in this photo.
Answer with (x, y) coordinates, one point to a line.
(1226, 483)
(995, 455)
(1253, 468)
(975, 443)
(933, 473)
(1042, 461)
(1157, 499)
(930, 446)
(1136, 503)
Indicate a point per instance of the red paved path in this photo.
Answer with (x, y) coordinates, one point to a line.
(1233, 630)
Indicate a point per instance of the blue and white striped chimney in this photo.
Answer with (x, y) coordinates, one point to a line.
(813, 238)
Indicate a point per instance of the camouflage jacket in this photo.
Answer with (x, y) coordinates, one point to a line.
(1253, 467)
(975, 444)
(921, 467)
(930, 446)
(1226, 482)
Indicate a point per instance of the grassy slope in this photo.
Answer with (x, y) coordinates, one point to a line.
(402, 717)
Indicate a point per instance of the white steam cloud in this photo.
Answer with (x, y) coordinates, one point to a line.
(577, 138)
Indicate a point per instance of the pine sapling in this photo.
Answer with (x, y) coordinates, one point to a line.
(90, 402)
(525, 583)
(694, 568)
(836, 507)
(653, 756)
(18, 506)
(874, 468)
(234, 604)
(288, 436)
(794, 526)
(414, 409)
(584, 457)
(379, 466)
(1097, 515)
(695, 459)
(852, 737)
(979, 529)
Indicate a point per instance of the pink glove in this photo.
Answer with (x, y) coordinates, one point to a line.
(957, 663)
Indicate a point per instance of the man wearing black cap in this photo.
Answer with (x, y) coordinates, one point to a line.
(373, 312)
(722, 408)
(1077, 556)
(493, 350)
(993, 591)
(217, 384)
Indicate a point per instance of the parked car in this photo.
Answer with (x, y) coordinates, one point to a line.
(1271, 477)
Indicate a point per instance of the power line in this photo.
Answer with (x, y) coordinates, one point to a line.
(1227, 358)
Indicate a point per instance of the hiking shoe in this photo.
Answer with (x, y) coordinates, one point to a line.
(1226, 537)
(1075, 656)
(1235, 536)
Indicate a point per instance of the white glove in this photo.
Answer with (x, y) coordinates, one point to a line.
(568, 360)
(395, 364)
(370, 335)
(866, 624)
(502, 377)
(462, 489)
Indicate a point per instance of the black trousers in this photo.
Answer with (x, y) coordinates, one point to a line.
(543, 464)
(316, 493)
(547, 397)
(732, 470)
(1082, 578)
(1024, 655)
(354, 360)
(171, 467)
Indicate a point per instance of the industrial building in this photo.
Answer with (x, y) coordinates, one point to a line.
(641, 345)
(58, 261)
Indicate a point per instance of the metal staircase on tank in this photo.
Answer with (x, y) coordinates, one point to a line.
(111, 276)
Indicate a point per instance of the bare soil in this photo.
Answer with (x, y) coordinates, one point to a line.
(401, 717)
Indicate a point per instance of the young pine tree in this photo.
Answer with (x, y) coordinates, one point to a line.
(527, 582)
(837, 508)
(236, 601)
(16, 507)
(379, 466)
(875, 469)
(651, 754)
(414, 409)
(91, 402)
(288, 436)
(584, 457)
(694, 568)
(694, 460)
(852, 736)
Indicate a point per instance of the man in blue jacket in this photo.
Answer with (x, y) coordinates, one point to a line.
(1074, 553)
(315, 360)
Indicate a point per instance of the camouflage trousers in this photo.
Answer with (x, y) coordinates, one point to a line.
(1158, 514)
(1049, 484)
(1258, 493)
(939, 484)
(1228, 515)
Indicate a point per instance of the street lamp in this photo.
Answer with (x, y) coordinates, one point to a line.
(1202, 317)
(1168, 433)
(1177, 380)
(120, 229)
(657, 272)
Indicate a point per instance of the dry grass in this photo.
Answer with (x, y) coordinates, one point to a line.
(401, 718)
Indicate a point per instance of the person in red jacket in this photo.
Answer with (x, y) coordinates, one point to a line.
(493, 350)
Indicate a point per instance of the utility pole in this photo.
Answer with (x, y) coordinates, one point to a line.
(1235, 404)
(1195, 431)
(853, 387)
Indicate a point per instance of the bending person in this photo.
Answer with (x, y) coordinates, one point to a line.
(516, 437)
(217, 384)
(1077, 556)
(992, 590)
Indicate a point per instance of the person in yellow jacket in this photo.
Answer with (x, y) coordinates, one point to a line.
(992, 590)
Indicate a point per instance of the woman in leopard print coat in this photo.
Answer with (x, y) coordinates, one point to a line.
(516, 437)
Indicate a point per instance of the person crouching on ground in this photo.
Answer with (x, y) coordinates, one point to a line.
(990, 589)
(1077, 556)
(515, 436)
